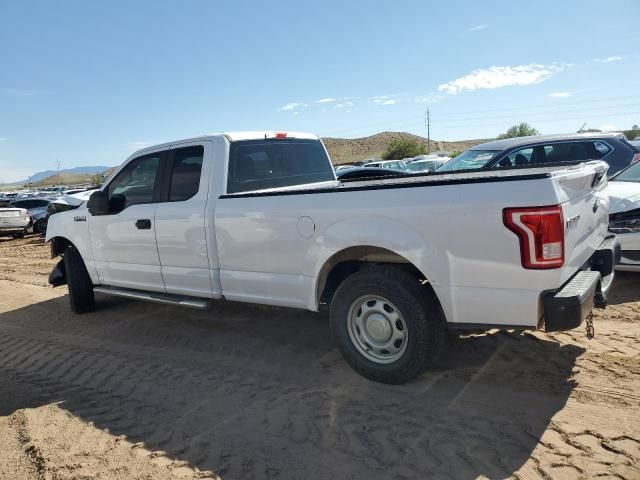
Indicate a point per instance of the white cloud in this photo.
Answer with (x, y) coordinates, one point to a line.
(384, 100)
(292, 107)
(498, 77)
(614, 58)
(477, 27)
(326, 100)
(347, 103)
(560, 94)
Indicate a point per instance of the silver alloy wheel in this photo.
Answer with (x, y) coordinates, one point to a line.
(377, 329)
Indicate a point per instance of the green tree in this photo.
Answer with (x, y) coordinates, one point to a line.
(521, 130)
(455, 153)
(403, 148)
(96, 180)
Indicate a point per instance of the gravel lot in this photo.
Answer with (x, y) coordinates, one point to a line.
(139, 390)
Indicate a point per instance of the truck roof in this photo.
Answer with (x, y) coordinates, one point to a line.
(232, 137)
(518, 141)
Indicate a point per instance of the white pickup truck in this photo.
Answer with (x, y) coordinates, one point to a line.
(260, 217)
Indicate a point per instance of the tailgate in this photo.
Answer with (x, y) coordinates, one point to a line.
(585, 207)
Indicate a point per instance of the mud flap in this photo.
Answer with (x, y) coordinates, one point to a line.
(58, 275)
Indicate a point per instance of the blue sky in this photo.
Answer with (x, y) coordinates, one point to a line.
(89, 82)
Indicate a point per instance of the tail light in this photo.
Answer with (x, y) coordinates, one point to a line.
(636, 158)
(24, 212)
(541, 234)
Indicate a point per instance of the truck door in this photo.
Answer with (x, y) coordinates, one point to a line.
(124, 242)
(181, 222)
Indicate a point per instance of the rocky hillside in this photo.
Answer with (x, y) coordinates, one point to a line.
(346, 150)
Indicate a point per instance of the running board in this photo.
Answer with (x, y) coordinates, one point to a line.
(156, 297)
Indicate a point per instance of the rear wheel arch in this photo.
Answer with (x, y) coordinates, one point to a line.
(348, 261)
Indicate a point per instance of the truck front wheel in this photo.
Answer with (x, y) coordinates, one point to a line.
(388, 327)
(80, 287)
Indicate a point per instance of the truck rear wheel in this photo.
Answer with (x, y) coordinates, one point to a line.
(80, 287)
(389, 328)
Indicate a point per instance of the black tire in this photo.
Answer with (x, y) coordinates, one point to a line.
(81, 296)
(419, 309)
(19, 235)
(40, 227)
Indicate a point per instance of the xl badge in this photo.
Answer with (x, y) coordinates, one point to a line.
(80, 218)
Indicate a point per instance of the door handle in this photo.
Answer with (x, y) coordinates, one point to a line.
(143, 224)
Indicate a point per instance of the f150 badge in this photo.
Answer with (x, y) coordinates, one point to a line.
(80, 218)
(572, 222)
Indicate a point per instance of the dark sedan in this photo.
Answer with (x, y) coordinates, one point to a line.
(612, 148)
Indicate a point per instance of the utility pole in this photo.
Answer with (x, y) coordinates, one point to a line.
(427, 125)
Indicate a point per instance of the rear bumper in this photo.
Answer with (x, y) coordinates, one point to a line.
(569, 306)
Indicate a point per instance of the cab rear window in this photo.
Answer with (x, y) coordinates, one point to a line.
(274, 163)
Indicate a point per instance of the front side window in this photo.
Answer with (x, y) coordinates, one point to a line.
(185, 173)
(519, 158)
(135, 184)
(263, 164)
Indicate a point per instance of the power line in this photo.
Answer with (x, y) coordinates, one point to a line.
(523, 109)
(537, 107)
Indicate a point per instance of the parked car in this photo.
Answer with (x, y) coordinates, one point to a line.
(14, 221)
(624, 218)
(63, 203)
(392, 164)
(37, 207)
(524, 152)
(397, 261)
(425, 166)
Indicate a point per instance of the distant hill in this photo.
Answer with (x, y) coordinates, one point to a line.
(346, 150)
(341, 150)
(46, 176)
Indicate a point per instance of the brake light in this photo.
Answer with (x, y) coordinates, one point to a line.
(636, 158)
(281, 135)
(541, 234)
(24, 212)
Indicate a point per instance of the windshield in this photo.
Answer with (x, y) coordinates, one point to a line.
(469, 160)
(424, 165)
(631, 174)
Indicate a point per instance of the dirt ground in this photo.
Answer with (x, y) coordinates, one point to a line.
(143, 391)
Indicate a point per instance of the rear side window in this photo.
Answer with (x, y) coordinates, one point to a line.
(185, 173)
(576, 151)
(262, 164)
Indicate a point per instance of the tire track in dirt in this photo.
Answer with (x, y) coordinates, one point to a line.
(255, 392)
(116, 389)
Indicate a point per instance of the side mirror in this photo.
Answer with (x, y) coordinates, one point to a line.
(98, 203)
